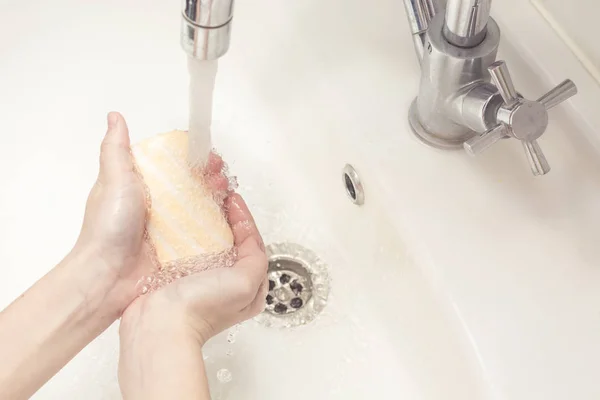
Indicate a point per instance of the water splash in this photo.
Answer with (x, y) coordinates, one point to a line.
(224, 375)
(231, 335)
(182, 267)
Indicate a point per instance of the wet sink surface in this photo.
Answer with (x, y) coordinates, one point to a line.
(384, 330)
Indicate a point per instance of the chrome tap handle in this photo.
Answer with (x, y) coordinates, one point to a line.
(560, 93)
(501, 78)
(537, 160)
(479, 143)
(520, 118)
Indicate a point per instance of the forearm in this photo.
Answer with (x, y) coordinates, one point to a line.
(51, 322)
(161, 361)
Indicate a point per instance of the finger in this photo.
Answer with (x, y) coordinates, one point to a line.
(252, 259)
(217, 183)
(258, 304)
(215, 164)
(242, 223)
(252, 264)
(115, 153)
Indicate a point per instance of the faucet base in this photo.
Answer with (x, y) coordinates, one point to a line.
(447, 113)
(429, 138)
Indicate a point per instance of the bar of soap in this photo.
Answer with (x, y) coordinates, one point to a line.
(184, 220)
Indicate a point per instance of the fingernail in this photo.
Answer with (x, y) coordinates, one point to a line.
(113, 119)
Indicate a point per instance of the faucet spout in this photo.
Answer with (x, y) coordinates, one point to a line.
(420, 13)
(206, 28)
(466, 21)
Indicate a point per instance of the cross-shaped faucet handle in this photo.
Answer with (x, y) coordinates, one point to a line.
(520, 118)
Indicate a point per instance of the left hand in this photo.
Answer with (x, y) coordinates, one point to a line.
(115, 217)
(113, 229)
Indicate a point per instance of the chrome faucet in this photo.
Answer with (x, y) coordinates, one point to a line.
(466, 98)
(206, 28)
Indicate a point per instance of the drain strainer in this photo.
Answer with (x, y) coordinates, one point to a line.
(298, 286)
(290, 286)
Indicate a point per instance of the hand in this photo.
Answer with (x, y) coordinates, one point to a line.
(209, 302)
(90, 287)
(162, 332)
(115, 217)
(113, 229)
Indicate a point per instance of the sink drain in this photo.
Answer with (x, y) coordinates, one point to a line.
(290, 287)
(298, 286)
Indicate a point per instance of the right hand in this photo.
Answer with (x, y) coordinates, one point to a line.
(204, 304)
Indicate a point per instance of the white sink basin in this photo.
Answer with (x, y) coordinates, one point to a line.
(384, 332)
(459, 278)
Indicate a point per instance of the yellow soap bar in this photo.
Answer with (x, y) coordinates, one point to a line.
(184, 218)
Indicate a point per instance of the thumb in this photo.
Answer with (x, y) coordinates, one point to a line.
(115, 153)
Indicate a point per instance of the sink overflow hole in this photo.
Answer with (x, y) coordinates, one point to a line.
(353, 185)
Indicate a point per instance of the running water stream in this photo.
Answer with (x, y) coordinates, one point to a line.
(202, 83)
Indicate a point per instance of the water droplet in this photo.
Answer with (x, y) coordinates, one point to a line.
(229, 353)
(223, 375)
(231, 337)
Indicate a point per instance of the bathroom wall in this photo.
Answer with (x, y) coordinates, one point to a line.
(576, 21)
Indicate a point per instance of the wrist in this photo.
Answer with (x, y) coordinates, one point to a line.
(156, 312)
(104, 292)
(159, 357)
(37, 343)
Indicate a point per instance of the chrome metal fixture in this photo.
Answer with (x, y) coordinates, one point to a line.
(466, 97)
(206, 28)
